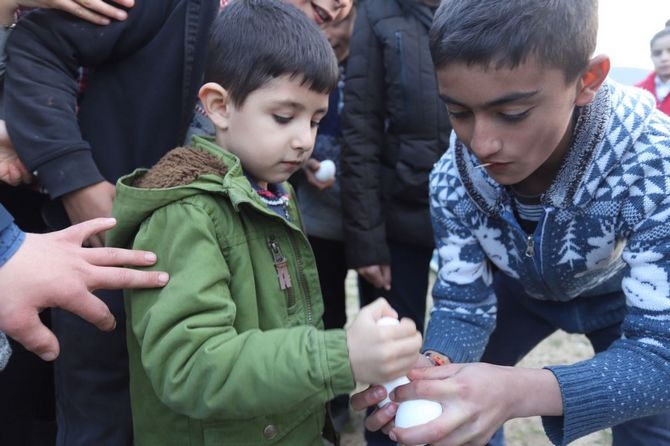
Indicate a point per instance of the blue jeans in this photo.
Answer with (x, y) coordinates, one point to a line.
(524, 322)
(409, 287)
(91, 380)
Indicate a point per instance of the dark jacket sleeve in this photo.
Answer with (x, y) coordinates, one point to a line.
(45, 52)
(363, 132)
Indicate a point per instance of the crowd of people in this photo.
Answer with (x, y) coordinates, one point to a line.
(161, 197)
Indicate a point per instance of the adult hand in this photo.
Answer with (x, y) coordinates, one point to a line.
(95, 11)
(476, 400)
(377, 275)
(12, 170)
(53, 270)
(94, 201)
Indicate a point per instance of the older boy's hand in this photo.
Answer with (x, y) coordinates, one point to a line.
(95, 11)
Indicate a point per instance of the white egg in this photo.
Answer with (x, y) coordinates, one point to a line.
(326, 171)
(415, 412)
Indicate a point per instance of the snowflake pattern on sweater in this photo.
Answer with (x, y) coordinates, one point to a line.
(605, 228)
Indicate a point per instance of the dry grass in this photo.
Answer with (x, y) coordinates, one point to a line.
(560, 348)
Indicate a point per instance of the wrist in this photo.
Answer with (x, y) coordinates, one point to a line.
(436, 358)
(8, 17)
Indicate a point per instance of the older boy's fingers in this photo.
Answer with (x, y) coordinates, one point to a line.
(369, 397)
(36, 337)
(382, 418)
(112, 278)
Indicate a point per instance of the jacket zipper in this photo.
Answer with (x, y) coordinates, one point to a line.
(281, 267)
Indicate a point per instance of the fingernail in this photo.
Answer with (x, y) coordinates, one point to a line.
(392, 436)
(378, 392)
(391, 408)
(48, 356)
(150, 256)
(163, 278)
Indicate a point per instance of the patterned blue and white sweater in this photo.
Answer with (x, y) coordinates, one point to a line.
(606, 227)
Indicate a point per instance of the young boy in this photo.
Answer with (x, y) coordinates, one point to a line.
(558, 181)
(232, 351)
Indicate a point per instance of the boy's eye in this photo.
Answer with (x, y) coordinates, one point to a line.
(515, 117)
(315, 124)
(282, 119)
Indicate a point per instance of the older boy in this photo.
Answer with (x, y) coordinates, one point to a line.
(233, 352)
(558, 180)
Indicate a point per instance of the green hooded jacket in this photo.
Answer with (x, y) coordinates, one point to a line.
(232, 350)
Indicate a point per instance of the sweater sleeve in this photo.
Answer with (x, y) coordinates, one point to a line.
(464, 310)
(629, 379)
(11, 238)
(45, 52)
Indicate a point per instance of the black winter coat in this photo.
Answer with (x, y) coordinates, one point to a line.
(395, 128)
(143, 79)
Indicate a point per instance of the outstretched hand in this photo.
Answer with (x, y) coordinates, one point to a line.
(54, 270)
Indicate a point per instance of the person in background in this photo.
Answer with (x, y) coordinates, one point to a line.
(320, 203)
(241, 318)
(141, 73)
(658, 82)
(27, 383)
(323, 12)
(395, 128)
(558, 178)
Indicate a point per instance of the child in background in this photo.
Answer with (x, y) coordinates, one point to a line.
(658, 82)
(233, 350)
(320, 203)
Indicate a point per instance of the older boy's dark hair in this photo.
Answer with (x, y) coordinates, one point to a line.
(504, 33)
(255, 41)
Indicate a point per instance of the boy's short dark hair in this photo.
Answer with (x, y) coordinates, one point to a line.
(255, 41)
(558, 33)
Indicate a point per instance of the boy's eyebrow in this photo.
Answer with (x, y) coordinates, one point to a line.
(512, 97)
(297, 105)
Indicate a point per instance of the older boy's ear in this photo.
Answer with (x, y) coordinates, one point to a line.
(592, 79)
(216, 102)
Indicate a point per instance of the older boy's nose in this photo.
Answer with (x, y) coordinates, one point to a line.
(484, 141)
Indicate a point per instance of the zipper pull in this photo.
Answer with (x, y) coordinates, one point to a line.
(281, 264)
(530, 247)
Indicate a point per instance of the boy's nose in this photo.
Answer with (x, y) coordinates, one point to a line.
(484, 141)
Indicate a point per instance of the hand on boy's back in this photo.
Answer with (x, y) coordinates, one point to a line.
(380, 354)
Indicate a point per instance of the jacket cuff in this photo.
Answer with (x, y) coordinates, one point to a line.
(67, 173)
(337, 362)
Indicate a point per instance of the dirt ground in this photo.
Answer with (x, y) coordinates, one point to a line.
(560, 348)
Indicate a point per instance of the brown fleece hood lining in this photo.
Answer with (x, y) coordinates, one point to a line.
(179, 167)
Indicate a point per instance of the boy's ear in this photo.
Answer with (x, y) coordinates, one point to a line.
(216, 102)
(591, 80)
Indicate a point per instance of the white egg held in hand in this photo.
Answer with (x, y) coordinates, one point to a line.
(326, 171)
(415, 412)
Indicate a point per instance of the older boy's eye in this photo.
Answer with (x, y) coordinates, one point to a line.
(515, 117)
(314, 123)
(282, 119)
